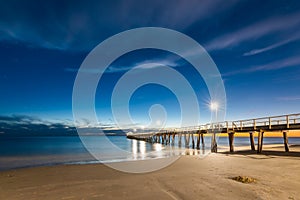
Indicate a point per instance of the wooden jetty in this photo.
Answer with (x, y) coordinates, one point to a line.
(281, 124)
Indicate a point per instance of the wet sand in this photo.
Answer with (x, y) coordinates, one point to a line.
(276, 175)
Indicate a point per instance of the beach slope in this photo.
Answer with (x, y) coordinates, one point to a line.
(190, 177)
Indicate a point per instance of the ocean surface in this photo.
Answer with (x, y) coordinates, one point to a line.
(20, 152)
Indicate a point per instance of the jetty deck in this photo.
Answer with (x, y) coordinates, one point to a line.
(280, 124)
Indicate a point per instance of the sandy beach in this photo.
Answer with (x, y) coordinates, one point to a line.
(158, 100)
(276, 175)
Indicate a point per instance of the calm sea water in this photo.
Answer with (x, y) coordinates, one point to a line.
(17, 152)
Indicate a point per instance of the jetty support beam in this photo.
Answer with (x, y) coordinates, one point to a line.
(193, 141)
(285, 140)
(202, 140)
(214, 146)
(198, 140)
(231, 138)
(260, 141)
(252, 141)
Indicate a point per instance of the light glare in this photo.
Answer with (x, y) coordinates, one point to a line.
(214, 106)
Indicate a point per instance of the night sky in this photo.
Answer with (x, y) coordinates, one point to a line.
(255, 45)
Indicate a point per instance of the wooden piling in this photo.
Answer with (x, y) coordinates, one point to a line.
(286, 143)
(214, 146)
(188, 139)
(231, 138)
(198, 140)
(158, 139)
(193, 141)
(186, 136)
(173, 138)
(252, 141)
(179, 139)
(202, 140)
(273, 123)
(166, 139)
(260, 141)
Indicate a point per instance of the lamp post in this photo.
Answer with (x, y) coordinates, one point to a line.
(214, 108)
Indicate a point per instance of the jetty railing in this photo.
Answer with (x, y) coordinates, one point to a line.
(281, 124)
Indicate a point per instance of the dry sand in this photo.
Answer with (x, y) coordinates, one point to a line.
(277, 176)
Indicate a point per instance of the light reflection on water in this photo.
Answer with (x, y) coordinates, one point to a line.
(134, 146)
(143, 150)
(32, 151)
(157, 147)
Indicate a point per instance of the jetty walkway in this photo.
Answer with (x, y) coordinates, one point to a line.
(278, 124)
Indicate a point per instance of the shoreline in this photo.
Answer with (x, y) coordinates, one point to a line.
(190, 177)
(89, 159)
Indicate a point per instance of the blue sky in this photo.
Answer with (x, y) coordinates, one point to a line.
(255, 45)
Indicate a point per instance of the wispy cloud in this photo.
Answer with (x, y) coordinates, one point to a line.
(273, 46)
(279, 64)
(144, 65)
(278, 24)
(80, 25)
(178, 15)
